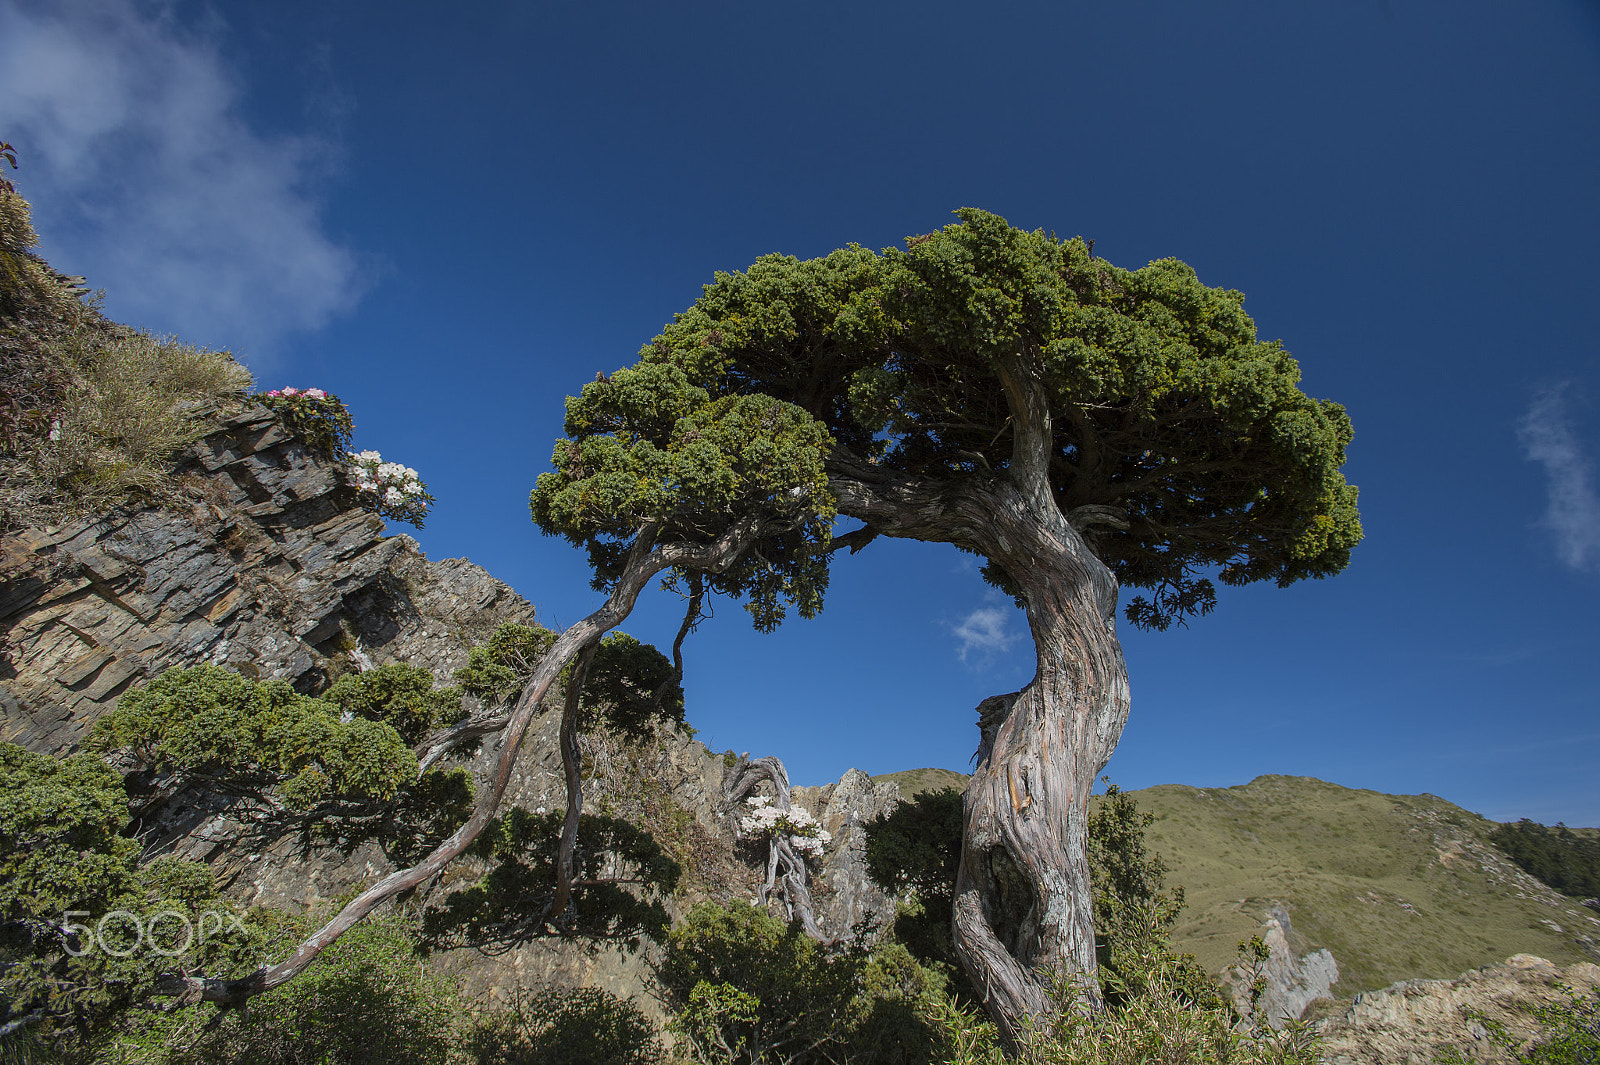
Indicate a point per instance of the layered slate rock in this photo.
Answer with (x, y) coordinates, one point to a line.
(274, 571)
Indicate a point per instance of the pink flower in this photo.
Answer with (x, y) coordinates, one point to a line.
(291, 391)
(274, 392)
(316, 393)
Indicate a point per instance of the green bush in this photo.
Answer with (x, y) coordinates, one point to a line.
(367, 998)
(566, 1026)
(1156, 1023)
(912, 852)
(1134, 914)
(749, 988)
(213, 725)
(71, 890)
(338, 768)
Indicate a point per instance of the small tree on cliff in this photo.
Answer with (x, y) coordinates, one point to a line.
(1080, 427)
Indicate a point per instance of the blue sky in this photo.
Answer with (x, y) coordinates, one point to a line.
(454, 216)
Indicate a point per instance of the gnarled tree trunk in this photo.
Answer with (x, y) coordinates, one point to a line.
(1024, 912)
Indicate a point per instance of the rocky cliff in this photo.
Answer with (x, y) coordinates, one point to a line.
(276, 571)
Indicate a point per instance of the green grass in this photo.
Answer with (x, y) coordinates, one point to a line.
(1398, 887)
(914, 782)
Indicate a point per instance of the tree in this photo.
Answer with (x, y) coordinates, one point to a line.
(724, 493)
(1078, 426)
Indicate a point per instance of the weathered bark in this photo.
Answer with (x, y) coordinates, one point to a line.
(787, 875)
(572, 771)
(1023, 916)
(645, 561)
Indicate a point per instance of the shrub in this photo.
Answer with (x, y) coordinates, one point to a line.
(366, 998)
(1157, 1023)
(339, 768)
(317, 418)
(1134, 914)
(566, 1026)
(749, 988)
(70, 892)
(912, 853)
(245, 737)
(388, 489)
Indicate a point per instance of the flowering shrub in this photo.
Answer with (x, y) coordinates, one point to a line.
(393, 490)
(765, 819)
(315, 416)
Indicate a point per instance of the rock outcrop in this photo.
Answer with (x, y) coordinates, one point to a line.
(274, 571)
(1292, 983)
(845, 897)
(1411, 1023)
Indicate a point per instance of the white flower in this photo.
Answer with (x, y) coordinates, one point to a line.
(316, 393)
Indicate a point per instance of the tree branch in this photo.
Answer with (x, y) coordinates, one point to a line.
(645, 560)
(572, 769)
(1032, 442)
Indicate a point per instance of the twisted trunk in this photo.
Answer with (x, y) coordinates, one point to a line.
(1023, 915)
(572, 771)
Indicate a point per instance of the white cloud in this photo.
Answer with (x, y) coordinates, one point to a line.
(144, 178)
(1573, 514)
(986, 632)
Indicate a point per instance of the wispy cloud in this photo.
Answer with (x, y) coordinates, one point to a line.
(1573, 514)
(144, 177)
(986, 632)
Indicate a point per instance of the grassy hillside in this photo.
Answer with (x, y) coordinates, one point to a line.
(1398, 887)
(916, 781)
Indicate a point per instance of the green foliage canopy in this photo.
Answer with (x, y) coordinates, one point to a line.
(1180, 440)
(212, 724)
(646, 448)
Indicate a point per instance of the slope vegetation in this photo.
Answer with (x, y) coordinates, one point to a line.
(1397, 887)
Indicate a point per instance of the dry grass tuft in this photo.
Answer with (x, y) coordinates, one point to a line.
(93, 413)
